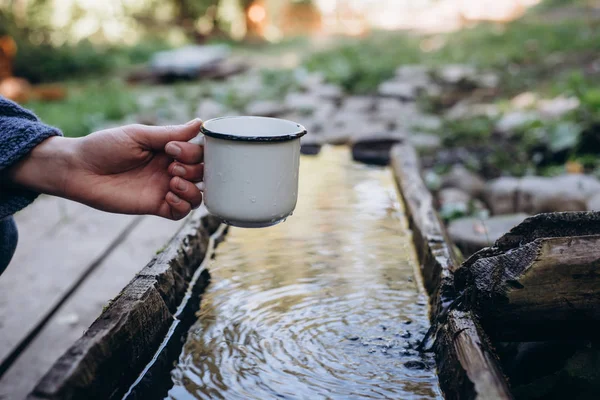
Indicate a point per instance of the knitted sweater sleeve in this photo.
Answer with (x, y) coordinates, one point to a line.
(20, 132)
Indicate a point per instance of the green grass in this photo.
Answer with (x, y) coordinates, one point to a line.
(87, 105)
(530, 52)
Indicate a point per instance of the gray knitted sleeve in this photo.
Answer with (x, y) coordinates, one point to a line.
(20, 132)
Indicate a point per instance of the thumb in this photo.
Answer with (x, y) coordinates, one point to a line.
(156, 137)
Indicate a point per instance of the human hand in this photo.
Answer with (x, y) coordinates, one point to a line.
(134, 169)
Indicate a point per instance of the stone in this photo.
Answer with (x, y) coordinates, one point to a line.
(266, 108)
(593, 203)
(389, 105)
(453, 195)
(309, 81)
(310, 145)
(557, 107)
(487, 80)
(328, 91)
(188, 61)
(524, 100)
(562, 193)
(514, 120)
(358, 104)
(349, 131)
(415, 72)
(453, 203)
(301, 102)
(209, 109)
(501, 195)
(324, 111)
(461, 178)
(427, 122)
(464, 110)
(425, 143)
(375, 150)
(399, 90)
(472, 234)
(454, 74)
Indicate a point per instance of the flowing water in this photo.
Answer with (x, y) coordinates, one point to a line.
(324, 305)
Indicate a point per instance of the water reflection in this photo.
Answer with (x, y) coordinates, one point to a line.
(322, 306)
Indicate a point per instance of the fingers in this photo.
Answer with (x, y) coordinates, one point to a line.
(187, 191)
(178, 208)
(186, 153)
(156, 137)
(192, 173)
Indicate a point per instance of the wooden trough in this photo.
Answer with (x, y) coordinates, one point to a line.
(540, 281)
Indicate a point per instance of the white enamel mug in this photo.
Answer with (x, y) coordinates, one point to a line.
(251, 169)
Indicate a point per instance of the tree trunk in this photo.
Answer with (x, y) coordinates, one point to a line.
(540, 282)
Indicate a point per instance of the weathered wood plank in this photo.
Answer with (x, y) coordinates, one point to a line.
(467, 364)
(107, 359)
(82, 308)
(40, 273)
(546, 289)
(437, 259)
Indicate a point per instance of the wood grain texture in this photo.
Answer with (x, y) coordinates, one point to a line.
(467, 364)
(122, 340)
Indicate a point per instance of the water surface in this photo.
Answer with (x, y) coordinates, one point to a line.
(324, 305)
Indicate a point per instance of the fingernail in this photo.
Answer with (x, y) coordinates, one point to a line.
(178, 170)
(194, 121)
(173, 150)
(173, 198)
(180, 185)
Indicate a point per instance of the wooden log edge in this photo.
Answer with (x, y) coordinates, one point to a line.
(467, 364)
(109, 356)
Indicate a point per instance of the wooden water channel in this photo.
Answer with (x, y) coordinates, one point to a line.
(127, 344)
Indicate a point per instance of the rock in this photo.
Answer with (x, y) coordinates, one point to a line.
(453, 195)
(310, 81)
(310, 145)
(301, 102)
(328, 91)
(325, 110)
(188, 61)
(425, 143)
(413, 73)
(455, 74)
(501, 195)
(593, 203)
(514, 120)
(461, 178)
(398, 90)
(375, 149)
(562, 193)
(427, 122)
(472, 234)
(358, 104)
(487, 80)
(465, 110)
(388, 104)
(453, 203)
(524, 100)
(209, 109)
(266, 108)
(351, 131)
(557, 107)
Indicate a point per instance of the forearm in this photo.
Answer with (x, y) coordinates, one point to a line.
(46, 168)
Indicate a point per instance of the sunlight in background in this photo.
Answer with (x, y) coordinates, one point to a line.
(113, 21)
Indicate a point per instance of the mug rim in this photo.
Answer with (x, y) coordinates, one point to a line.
(228, 136)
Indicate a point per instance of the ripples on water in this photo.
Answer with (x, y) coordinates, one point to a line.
(321, 306)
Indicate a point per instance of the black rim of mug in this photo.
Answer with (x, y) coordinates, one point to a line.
(226, 136)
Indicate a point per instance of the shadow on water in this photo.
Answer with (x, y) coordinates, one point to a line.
(321, 306)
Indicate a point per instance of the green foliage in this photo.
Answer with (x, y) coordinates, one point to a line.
(467, 131)
(87, 107)
(361, 66)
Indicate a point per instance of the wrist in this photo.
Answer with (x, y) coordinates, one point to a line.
(47, 167)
